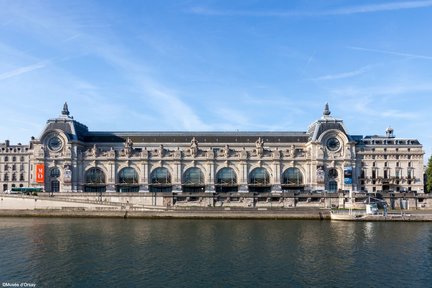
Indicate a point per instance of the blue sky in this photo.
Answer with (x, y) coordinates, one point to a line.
(216, 65)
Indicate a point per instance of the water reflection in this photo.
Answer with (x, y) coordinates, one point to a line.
(196, 253)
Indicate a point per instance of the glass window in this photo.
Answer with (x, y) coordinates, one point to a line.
(55, 172)
(332, 173)
(226, 176)
(160, 175)
(55, 186)
(259, 176)
(128, 175)
(332, 186)
(193, 176)
(292, 176)
(95, 176)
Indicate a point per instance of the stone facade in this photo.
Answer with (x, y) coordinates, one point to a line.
(67, 157)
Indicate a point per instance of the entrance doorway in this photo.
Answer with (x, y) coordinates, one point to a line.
(332, 186)
(55, 186)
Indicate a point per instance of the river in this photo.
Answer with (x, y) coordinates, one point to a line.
(50, 252)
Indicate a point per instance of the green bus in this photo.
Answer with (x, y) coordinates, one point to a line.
(25, 190)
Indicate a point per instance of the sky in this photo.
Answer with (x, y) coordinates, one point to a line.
(220, 65)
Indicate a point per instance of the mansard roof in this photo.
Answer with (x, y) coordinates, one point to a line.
(76, 131)
(327, 122)
(201, 137)
(73, 129)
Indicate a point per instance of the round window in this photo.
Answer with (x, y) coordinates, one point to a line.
(333, 144)
(332, 173)
(55, 143)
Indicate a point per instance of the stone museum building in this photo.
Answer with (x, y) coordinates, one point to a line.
(68, 157)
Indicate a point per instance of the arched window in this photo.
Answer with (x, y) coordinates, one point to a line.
(128, 175)
(95, 176)
(259, 176)
(332, 173)
(193, 180)
(259, 180)
(127, 180)
(292, 176)
(292, 179)
(160, 175)
(55, 172)
(226, 180)
(95, 180)
(193, 176)
(160, 180)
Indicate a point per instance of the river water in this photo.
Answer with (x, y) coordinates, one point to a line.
(49, 252)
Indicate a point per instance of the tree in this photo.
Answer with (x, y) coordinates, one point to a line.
(429, 175)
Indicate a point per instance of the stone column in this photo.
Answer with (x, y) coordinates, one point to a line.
(177, 177)
(276, 187)
(210, 187)
(144, 185)
(243, 177)
(111, 177)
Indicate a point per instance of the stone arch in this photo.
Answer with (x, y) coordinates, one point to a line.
(127, 180)
(160, 180)
(259, 180)
(193, 180)
(292, 179)
(95, 180)
(226, 180)
(53, 175)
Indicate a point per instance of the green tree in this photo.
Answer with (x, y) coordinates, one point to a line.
(429, 175)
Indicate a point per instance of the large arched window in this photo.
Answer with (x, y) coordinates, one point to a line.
(95, 180)
(55, 183)
(226, 180)
(160, 180)
(292, 176)
(292, 179)
(259, 180)
(127, 180)
(128, 175)
(193, 180)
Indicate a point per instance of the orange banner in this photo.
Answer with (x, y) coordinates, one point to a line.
(40, 173)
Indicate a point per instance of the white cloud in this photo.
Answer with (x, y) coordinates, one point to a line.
(408, 55)
(343, 75)
(380, 7)
(361, 9)
(21, 70)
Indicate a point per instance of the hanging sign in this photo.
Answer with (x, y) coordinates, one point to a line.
(40, 173)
